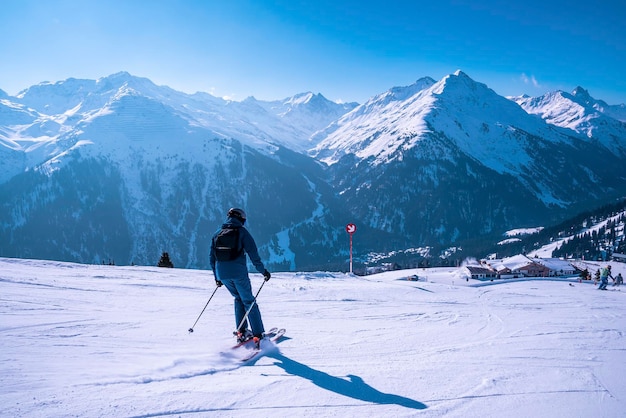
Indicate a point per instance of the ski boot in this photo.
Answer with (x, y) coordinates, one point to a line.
(257, 341)
(242, 335)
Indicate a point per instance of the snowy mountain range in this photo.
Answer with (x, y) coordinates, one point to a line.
(451, 160)
(122, 169)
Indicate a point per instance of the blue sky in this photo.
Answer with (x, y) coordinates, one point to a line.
(346, 50)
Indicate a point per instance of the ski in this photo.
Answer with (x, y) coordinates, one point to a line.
(269, 333)
(254, 352)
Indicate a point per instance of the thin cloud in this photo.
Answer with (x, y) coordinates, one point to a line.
(529, 80)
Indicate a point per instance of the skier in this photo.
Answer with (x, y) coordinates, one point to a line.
(604, 277)
(230, 269)
(618, 280)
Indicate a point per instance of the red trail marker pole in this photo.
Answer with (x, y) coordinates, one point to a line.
(351, 229)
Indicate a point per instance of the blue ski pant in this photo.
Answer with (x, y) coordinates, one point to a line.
(603, 282)
(241, 289)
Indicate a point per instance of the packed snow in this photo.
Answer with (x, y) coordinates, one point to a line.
(94, 340)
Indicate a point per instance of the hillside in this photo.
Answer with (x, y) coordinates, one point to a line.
(87, 340)
(591, 235)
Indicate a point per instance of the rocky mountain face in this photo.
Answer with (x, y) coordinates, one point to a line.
(121, 169)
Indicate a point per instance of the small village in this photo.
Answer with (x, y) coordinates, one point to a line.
(520, 266)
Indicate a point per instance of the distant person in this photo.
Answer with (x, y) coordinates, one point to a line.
(585, 275)
(604, 277)
(229, 247)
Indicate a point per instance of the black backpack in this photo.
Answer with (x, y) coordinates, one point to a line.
(227, 246)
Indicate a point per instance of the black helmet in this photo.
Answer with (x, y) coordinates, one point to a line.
(237, 213)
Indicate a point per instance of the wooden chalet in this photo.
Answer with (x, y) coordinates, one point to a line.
(482, 273)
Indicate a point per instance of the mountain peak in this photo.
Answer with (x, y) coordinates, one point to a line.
(119, 77)
(428, 81)
(402, 93)
(581, 92)
(582, 114)
(302, 98)
(121, 74)
(582, 96)
(461, 87)
(117, 80)
(459, 79)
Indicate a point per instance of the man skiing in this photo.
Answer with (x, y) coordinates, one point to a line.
(230, 269)
(604, 277)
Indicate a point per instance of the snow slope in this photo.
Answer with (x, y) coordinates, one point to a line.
(90, 340)
(546, 250)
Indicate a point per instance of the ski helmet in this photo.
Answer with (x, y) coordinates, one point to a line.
(237, 213)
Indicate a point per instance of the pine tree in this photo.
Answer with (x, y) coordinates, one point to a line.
(165, 261)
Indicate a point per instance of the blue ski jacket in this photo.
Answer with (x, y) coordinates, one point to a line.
(237, 268)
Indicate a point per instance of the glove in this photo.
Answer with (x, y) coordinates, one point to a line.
(218, 283)
(266, 275)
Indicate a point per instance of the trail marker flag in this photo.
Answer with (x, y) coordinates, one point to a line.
(351, 229)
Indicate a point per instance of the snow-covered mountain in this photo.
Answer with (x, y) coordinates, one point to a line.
(581, 113)
(451, 160)
(307, 111)
(120, 168)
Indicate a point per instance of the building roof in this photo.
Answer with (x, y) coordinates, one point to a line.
(516, 262)
(555, 264)
(479, 270)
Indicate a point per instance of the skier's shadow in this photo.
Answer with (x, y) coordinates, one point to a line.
(354, 388)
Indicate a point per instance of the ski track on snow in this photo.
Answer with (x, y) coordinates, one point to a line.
(112, 341)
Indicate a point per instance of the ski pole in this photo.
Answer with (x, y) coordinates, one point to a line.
(243, 321)
(207, 304)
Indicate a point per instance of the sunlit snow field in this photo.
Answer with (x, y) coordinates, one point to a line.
(95, 341)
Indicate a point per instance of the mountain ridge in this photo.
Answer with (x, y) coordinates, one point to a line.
(582, 114)
(436, 163)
